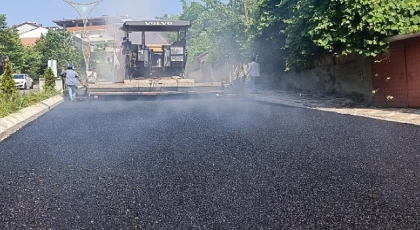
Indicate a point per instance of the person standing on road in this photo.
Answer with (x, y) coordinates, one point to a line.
(93, 76)
(70, 75)
(254, 73)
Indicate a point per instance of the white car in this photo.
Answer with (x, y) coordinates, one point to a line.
(23, 81)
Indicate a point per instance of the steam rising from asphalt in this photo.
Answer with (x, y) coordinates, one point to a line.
(141, 10)
(135, 9)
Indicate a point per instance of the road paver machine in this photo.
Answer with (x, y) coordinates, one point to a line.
(150, 67)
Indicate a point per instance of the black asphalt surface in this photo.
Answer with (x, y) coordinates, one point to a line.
(208, 164)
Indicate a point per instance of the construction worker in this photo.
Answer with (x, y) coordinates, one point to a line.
(254, 73)
(93, 76)
(70, 75)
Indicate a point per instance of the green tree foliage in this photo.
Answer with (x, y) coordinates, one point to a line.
(3, 21)
(7, 87)
(10, 44)
(56, 45)
(170, 36)
(60, 46)
(217, 29)
(198, 41)
(287, 33)
(97, 56)
(313, 28)
(49, 80)
(32, 62)
(360, 26)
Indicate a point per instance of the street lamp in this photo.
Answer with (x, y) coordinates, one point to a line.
(84, 10)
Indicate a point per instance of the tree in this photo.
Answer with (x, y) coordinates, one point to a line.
(32, 62)
(7, 86)
(170, 36)
(56, 45)
(294, 33)
(49, 80)
(358, 26)
(198, 41)
(218, 29)
(3, 21)
(10, 44)
(312, 28)
(97, 56)
(60, 46)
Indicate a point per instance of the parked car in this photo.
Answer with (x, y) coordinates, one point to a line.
(23, 81)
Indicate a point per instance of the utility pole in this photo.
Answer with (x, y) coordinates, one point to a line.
(84, 10)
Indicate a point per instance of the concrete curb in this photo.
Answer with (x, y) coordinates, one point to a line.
(275, 101)
(413, 119)
(15, 121)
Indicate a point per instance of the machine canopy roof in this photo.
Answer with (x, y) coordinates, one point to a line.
(155, 25)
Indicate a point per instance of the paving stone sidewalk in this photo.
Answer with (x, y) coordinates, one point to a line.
(337, 105)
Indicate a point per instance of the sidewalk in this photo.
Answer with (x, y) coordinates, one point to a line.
(337, 105)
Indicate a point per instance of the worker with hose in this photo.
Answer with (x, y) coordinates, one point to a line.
(70, 75)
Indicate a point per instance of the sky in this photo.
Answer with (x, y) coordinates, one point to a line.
(19, 11)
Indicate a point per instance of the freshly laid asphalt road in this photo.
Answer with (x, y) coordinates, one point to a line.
(208, 164)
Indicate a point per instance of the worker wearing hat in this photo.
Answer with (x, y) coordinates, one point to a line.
(70, 75)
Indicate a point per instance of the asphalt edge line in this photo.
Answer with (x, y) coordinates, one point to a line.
(10, 125)
(332, 110)
(277, 101)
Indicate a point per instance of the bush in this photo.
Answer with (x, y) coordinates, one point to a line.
(17, 102)
(49, 80)
(7, 87)
(11, 101)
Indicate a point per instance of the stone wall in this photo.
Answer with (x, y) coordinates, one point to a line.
(327, 78)
(334, 75)
(206, 73)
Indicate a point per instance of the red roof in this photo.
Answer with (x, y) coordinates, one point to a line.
(28, 41)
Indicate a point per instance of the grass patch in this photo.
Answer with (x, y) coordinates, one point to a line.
(16, 102)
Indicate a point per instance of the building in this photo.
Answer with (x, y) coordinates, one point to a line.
(396, 75)
(30, 32)
(101, 31)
